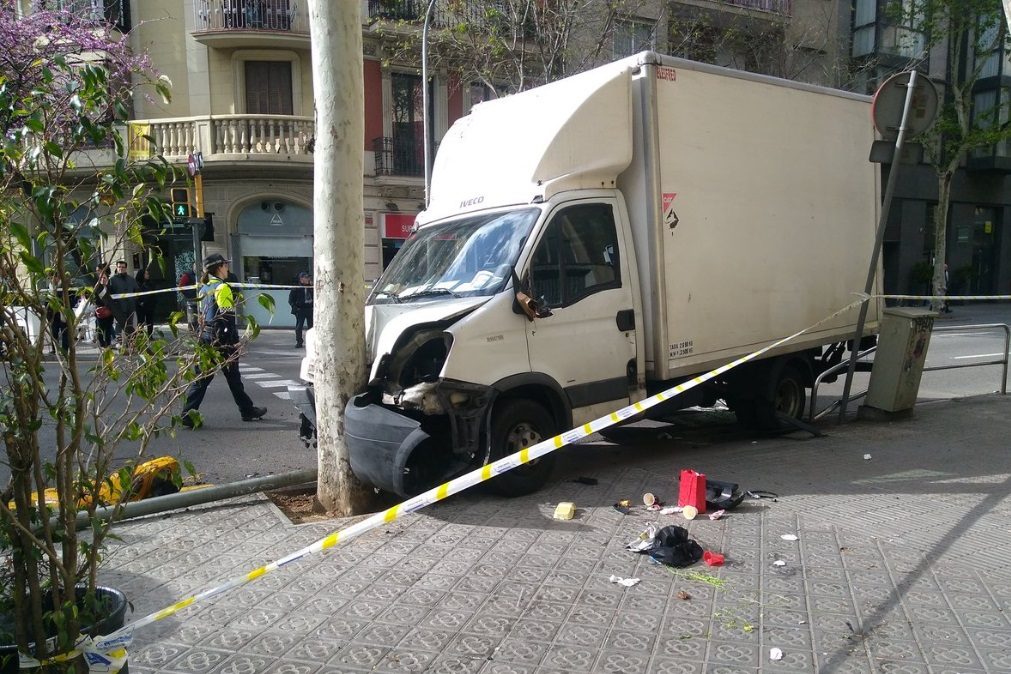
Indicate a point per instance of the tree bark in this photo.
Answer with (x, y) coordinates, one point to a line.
(338, 231)
(938, 285)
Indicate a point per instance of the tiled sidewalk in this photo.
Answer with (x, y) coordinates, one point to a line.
(901, 565)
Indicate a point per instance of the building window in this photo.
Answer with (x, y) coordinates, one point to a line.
(268, 88)
(633, 35)
(875, 31)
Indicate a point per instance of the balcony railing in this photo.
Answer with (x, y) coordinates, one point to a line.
(445, 13)
(287, 16)
(224, 136)
(114, 12)
(398, 156)
(781, 7)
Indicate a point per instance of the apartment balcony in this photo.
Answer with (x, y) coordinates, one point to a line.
(251, 23)
(403, 157)
(113, 12)
(778, 7)
(445, 13)
(242, 144)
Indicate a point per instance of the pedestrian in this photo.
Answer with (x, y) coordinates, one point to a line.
(104, 320)
(300, 300)
(124, 309)
(145, 303)
(188, 279)
(219, 330)
(59, 328)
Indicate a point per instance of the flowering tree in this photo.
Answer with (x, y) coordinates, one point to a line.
(66, 85)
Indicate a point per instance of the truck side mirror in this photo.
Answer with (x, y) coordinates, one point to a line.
(530, 307)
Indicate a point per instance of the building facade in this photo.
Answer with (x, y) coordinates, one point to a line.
(243, 99)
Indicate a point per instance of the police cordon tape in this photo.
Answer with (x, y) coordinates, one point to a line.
(108, 653)
(198, 286)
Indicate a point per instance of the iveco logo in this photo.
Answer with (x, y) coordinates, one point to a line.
(471, 202)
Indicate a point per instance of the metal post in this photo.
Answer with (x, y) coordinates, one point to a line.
(424, 100)
(893, 173)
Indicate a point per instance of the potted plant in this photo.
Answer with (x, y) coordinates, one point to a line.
(66, 84)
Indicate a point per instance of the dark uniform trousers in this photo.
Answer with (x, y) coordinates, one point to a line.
(195, 393)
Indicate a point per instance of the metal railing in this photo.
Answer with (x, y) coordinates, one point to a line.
(250, 15)
(446, 13)
(398, 156)
(979, 327)
(782, 7)
(114, 12)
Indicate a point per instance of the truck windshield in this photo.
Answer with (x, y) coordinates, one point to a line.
(463, 258)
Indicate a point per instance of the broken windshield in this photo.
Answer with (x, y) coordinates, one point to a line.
(468, 257)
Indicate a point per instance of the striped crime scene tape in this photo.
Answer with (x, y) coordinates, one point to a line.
(107, 646)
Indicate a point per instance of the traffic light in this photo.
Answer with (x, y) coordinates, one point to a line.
(180, 198)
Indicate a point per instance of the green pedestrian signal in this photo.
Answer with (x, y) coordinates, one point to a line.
(181, 204)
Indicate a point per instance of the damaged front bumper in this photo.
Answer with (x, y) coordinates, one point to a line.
(428, 435)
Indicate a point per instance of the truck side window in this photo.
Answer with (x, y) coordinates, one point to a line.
(577, 256)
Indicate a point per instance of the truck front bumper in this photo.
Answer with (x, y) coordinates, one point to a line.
(380, 442)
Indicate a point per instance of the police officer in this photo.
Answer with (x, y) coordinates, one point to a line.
(218, 329)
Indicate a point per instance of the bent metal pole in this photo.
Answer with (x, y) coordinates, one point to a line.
(893, 173)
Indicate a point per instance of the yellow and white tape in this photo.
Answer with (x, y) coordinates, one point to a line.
(122, 638)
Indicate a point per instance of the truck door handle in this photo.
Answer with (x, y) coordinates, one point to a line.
(625, 320)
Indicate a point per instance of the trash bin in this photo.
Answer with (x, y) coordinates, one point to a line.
(899, 359)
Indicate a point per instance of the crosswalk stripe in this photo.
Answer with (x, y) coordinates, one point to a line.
(283, 395)
(278, 384)
(259, 375)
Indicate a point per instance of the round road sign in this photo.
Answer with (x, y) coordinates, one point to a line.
(890, 98)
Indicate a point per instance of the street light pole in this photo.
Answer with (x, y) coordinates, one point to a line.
(424, 99)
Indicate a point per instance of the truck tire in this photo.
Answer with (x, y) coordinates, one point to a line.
(517, 424)
(786, 395)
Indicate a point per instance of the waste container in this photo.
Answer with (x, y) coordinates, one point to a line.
(899, 359)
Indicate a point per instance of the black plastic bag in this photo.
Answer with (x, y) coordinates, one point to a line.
(674, 547)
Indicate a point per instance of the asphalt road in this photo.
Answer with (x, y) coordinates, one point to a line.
(226, 449)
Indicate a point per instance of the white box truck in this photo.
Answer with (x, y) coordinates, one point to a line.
(601, 238)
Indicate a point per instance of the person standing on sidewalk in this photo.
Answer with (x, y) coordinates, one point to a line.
(104, 320)
(300, 300)
(145, 303)
(124, 309)
(218, 329)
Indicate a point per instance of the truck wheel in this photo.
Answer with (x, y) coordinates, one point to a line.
(518, 424)
(786, 395)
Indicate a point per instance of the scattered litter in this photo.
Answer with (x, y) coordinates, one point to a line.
(655, 507)
(717, 515)
(646, 539)
(683, 596)
(779, 562)
(712, 558)
(627, 582)
(761, 493)
(670, 510)
(775, 654)
(565, 510)
(692, 490)
(723, 495)
(789, 537)
(670, 545)
(867, 457)
(586, 480)
(690, 512)
(623, 506)
(648, 499)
